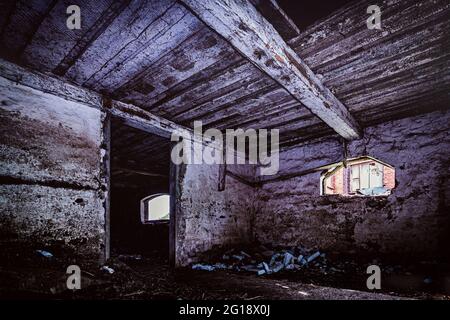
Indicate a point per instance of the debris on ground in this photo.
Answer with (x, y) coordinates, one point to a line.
(262, 260)
(107, 269)
(44, 253)
(152, 278)
(203, 267)
(130, 257)
(313, 266)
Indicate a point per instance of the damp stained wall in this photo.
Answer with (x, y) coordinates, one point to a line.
(50, 167)
(414, 221)
(206, 218)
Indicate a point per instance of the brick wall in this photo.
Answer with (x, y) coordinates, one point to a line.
(389, 177)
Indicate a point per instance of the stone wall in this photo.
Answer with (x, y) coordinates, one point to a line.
(50, 166)
(414, 221)
(208, 218)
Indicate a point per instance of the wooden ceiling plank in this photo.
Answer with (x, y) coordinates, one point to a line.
(345, 32)
(148, 40)
(104, 21)
(391, 61)
(270, 113)
(233, 101)
(232, 96)
(19, 26)
(283, 123)
(228, 61)
(244, 105)
(53, 41)
(197, 53)
(216, 86)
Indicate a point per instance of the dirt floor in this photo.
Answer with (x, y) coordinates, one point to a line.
(142, 278)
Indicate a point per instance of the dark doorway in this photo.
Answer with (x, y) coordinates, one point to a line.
(139, 172)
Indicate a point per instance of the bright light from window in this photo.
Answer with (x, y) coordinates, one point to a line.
(363, 176)
(158, 208)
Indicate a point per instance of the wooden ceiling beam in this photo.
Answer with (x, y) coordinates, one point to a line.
(240, 23)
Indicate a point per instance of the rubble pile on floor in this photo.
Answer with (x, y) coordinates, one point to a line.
(262, 260)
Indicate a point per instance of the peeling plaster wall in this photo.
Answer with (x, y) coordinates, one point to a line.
(50, 170)
(412, 222)
(208, 219)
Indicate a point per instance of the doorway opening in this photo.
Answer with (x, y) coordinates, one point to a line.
(139, 217)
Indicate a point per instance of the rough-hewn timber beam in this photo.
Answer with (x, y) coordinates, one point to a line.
(240, 23)
(48, 84)
(140, 119)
